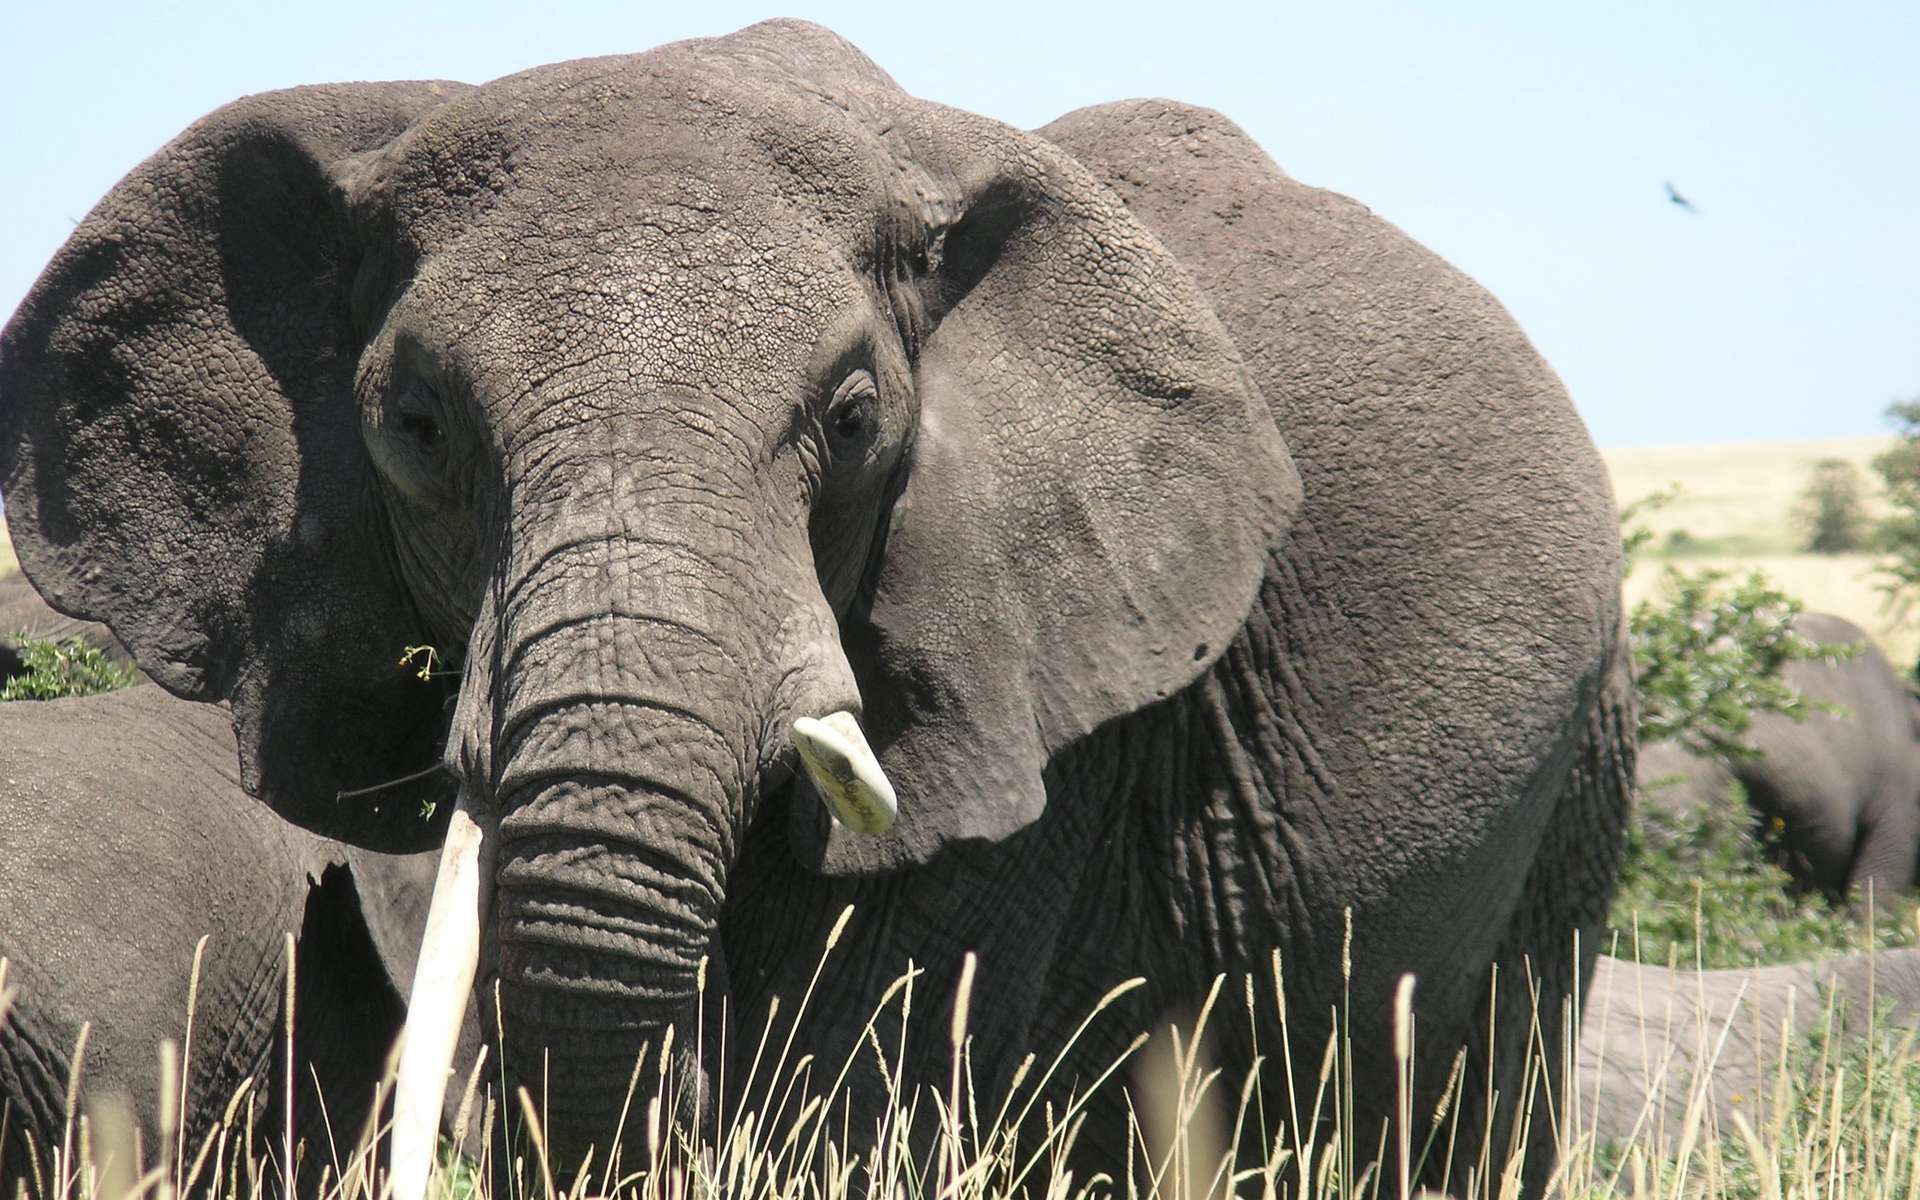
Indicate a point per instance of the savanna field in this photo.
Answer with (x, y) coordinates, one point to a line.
(1826, 1109)
(1736, 511)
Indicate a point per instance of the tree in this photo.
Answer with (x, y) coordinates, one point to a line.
(1831, 510)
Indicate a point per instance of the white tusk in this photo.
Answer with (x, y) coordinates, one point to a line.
(845, 772)
(442, 985)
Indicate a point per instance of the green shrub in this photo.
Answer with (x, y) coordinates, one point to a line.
(69, 668)
(1703, 886)
(1707, 654)
(1680, 541)
(1897, 535)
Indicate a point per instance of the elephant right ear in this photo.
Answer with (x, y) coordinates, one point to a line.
(180, 452)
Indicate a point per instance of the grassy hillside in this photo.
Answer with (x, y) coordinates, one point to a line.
(1736, 514)
(1739, 495)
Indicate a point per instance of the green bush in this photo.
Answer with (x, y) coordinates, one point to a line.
(1703, 887)
(1707, 654)
(1679, 542)
(69, 668)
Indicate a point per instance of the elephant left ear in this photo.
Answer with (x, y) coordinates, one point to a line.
(1094, 491)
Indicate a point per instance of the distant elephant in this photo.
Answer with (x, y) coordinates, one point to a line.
(1202, 568)
(23, 612)
(127, 839)
(1675, 781)
(1843, 784)
(1657, 1042)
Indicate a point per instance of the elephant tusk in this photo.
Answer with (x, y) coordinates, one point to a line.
(442, 985)
(845, 772)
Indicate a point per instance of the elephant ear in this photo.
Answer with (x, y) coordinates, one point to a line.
(1094, 491)
(181, 458)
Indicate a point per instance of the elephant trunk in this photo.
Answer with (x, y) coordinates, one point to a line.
(605, 929)
(635, 671)
(624, 753)
(642, 688)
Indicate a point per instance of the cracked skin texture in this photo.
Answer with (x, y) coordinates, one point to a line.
(1209, 560)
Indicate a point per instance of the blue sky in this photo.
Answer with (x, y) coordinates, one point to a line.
(1526, 142)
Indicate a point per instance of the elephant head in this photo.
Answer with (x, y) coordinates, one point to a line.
(673, 399)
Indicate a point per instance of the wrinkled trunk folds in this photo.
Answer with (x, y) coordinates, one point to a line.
(605, 931)
(643, 652)
(622, 779)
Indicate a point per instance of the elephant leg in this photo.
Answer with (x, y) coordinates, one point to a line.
(346, 1017)
(1889, 838)
(1545, 962)
(1815, 839)
(35, 1063)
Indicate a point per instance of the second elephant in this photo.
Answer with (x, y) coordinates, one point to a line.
(128, 839)
(1660, 1048)
(1843, 783)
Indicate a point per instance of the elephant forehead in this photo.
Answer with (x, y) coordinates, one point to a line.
(611, 312)
(689, 125)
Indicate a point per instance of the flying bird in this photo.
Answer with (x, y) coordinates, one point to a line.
(1682, 201)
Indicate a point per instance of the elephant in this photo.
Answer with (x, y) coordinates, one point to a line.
(1675, 781)
(1658, 1042)
(128, 840)
(842, 534)
(23, 612)
(1840, 786)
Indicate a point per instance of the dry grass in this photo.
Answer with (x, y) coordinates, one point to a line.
(1735, 513)
(1833, 1120)
(1736, 489)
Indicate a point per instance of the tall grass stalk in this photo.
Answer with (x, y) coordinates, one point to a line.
(1834, 1118)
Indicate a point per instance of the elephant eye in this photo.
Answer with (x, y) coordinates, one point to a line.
(422, 429)
(407, 434)
(853, 415)
(850, 424)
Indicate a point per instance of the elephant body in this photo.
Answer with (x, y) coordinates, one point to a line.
(1222, 582)
(128, 840)
(1661, 1048)
(1843, 783)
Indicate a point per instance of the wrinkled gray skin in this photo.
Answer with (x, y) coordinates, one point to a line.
(1208, 559)
(1845, 785)
(1656, 1041)
(24, 614)
(128, 839)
